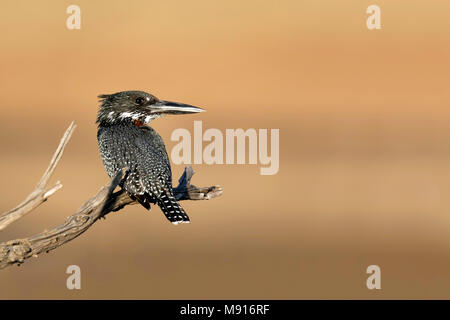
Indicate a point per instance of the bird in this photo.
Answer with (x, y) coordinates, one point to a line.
(125, 140)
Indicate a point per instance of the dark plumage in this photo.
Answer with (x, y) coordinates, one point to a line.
(124, 140)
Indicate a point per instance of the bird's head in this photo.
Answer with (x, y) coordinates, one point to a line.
(138, 107)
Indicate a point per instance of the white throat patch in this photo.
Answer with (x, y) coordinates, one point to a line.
(145, 118)
(131, 115)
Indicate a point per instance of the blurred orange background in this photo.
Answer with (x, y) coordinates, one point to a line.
(364, 146)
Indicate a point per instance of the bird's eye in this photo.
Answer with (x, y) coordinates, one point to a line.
(140, 100)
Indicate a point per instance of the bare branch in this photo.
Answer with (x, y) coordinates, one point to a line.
(41, 193)
(104, 202)
(16, 251)
(186, 191)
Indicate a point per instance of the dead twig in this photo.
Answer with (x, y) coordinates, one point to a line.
(41, 193)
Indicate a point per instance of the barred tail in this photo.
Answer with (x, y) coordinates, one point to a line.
(172, 210)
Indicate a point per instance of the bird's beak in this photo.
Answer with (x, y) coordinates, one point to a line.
(168, 107)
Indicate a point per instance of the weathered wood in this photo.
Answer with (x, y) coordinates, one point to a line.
(105, 201)
(41, 193)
